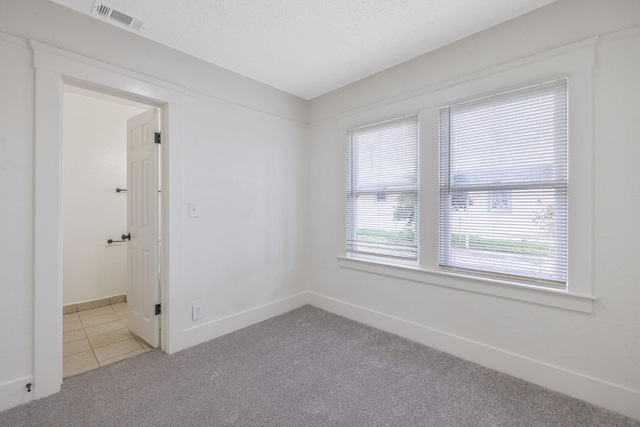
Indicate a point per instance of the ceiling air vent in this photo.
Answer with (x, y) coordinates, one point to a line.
(109, 14)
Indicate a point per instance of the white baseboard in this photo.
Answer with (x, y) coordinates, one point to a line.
(614, 397)
(14, 393)
(203, 332)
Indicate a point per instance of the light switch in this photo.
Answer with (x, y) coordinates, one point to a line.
(194, 210)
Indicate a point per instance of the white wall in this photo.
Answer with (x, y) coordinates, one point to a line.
(94, 163)
(244, 157)
(247, 174)
(603, 346)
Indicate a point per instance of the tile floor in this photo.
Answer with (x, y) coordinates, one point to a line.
(97, 337)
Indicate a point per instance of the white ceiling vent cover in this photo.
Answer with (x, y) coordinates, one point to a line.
(107, 13)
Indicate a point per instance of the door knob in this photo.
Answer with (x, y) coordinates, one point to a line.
(126, 236)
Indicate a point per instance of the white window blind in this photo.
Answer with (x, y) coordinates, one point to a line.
(503, 185)
(382, 189)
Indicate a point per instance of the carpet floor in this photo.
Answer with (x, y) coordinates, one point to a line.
(305, 368)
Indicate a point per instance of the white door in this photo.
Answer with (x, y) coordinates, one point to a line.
(143, 290)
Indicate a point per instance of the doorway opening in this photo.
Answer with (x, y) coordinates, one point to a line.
(111, 175)
(53, 69)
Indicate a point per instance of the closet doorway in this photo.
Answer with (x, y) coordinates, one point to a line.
(111, 221)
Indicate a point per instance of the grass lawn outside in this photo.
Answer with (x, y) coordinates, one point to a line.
(500, 245)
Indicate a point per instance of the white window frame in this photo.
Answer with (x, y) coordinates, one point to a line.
(446, 263)
(574, 61)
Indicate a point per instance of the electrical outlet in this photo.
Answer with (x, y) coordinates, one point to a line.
(196, 312)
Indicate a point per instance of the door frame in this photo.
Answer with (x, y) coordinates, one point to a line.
(53, 69)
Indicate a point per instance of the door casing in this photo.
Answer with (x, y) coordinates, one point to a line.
(54, 68)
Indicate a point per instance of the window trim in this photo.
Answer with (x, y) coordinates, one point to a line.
(500, 288)
(575, 61)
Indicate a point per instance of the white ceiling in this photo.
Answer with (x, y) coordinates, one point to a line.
(311, 47)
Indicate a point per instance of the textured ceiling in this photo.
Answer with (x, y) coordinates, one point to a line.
(311, 47)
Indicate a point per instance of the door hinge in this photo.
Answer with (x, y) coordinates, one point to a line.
(157, 137)
(158, 309)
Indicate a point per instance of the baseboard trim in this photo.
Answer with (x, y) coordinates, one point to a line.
(14, 393)
(614, 397)
(94, 303)
(203, 332)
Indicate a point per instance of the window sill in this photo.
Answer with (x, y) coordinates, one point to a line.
(532, 294)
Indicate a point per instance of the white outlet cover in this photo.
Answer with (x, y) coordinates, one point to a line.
(196, 312)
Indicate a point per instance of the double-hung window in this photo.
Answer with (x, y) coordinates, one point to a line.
(382, 189)
(503, 185)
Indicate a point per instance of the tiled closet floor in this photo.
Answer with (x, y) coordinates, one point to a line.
(97, 337)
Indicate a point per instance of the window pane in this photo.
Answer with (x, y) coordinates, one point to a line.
(524, 239)
(386, 225)
(386, 157)
(509, 138)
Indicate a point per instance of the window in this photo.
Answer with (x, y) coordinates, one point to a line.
(499, 212)
(382, 189)
(503, 185)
